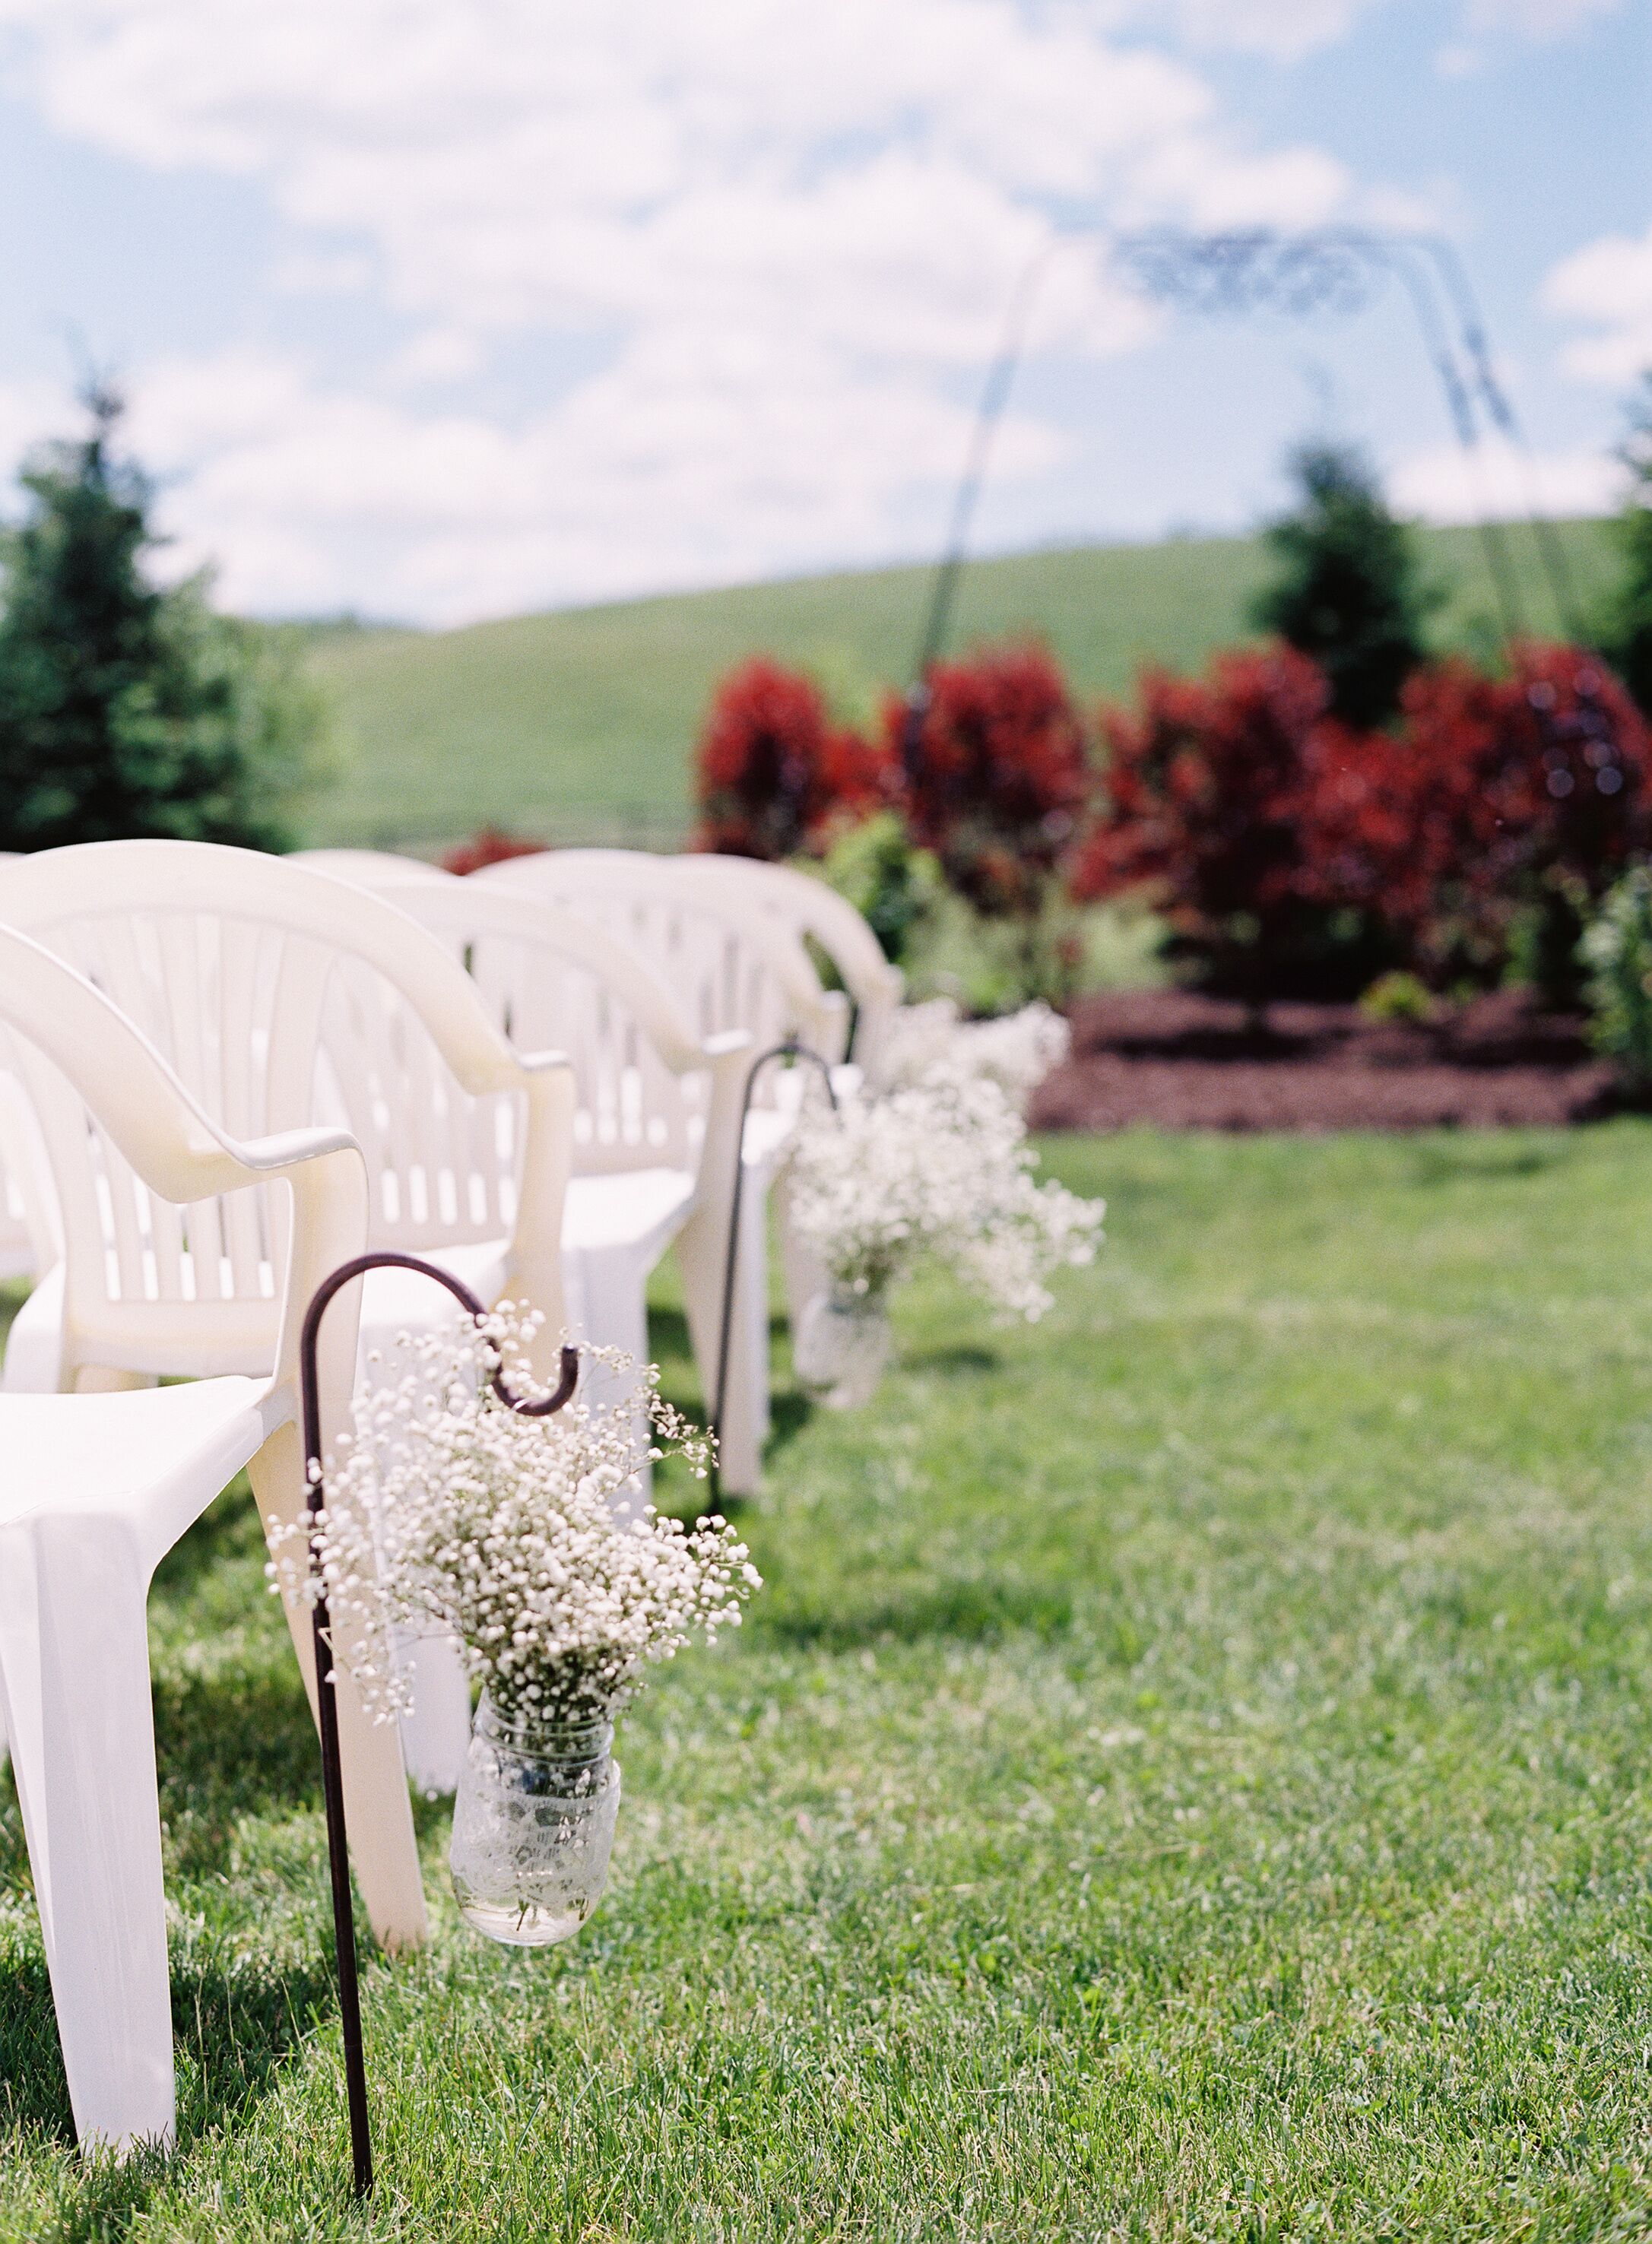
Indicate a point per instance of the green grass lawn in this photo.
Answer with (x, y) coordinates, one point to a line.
(580, 725)
(1186, 1778)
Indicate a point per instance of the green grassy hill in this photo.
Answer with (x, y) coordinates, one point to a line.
(579, 725)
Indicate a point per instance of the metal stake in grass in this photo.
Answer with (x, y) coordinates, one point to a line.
(792, 1048)
(349, 1999)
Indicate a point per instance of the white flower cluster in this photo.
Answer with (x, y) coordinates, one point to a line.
(1016, 1051)
(450, 1513)
(942, 1168)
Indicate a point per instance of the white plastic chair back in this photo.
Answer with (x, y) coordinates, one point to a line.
(809, 908)
(367, 868)
(280, 999)
(656, 1128)
(551, 978)
(28, 1242)
(730, 965)
(21, 1250)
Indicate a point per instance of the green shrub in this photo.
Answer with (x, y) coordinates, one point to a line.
(128, 707)
(1616, 953)
(1348, 588)
(1397, 996)
(893, 884)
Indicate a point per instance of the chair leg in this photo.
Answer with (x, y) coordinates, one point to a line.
(377, 1806)
(610, 1284)
(436, 1733)
(805, 1272)
(74, 1683)
(702, 1247)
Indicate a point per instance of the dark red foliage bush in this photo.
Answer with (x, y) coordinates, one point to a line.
(997, 777)
(773, 769)
(1207, 784)
(1290, 850)
(491, 847)
(1501, 810)
(1530, 792)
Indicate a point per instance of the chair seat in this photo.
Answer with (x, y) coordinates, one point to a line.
(770, 1130)
(141, 1457)
(767, 1132)
(640, 1208)
(401, 1300)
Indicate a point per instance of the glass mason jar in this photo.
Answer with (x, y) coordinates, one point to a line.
(842, 1347)
(534, 1826)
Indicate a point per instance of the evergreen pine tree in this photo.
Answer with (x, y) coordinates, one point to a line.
(1348, 588)
(126, 708)
(1626, 634)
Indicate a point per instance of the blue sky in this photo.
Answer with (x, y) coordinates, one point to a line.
(448, 308)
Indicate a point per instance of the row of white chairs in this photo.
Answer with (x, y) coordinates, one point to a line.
(223, 1075)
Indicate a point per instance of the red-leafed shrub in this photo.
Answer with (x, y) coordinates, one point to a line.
(1289, 851)
(1487, 824)
(1529, 793)
(996, 776)
(1208, 786)
(491, 847)
(774, 771)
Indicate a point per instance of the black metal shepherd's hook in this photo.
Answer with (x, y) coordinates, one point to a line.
(349, 2000)
(792, 1048)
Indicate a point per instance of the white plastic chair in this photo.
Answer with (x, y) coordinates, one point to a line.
(28, 1244)
(732, 965)
(95, 1488)
(367, 868)
(281, 997)
(727, 957)
(809, 908)
(23, 1251)
(655, 1121)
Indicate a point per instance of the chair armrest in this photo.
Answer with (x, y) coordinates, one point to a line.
(724, 1044)
(832, 1013)
(263, 1159)
(178, 1150)
(328, 1175)
(727, 1057)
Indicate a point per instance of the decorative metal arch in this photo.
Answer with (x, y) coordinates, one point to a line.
(1325, 271)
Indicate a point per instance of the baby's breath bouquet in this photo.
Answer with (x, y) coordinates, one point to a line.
(450, 1514)
(941, 1169)
(1015, 1050)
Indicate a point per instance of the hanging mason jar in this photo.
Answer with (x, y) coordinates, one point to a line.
(842, 1347)
(534, 1826)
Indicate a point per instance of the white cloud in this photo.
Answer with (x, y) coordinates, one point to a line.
(1607, 285)
(1285, 31)
(1283, 28)
(540, 162)
(789, 235)
(439, 356)
(1443, 484)
(322, 273)
(689, 461)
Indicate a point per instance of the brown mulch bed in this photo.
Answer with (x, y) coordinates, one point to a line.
(1185, 1062)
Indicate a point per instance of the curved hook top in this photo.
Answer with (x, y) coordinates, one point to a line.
(795, 1048)
(545, 1406)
